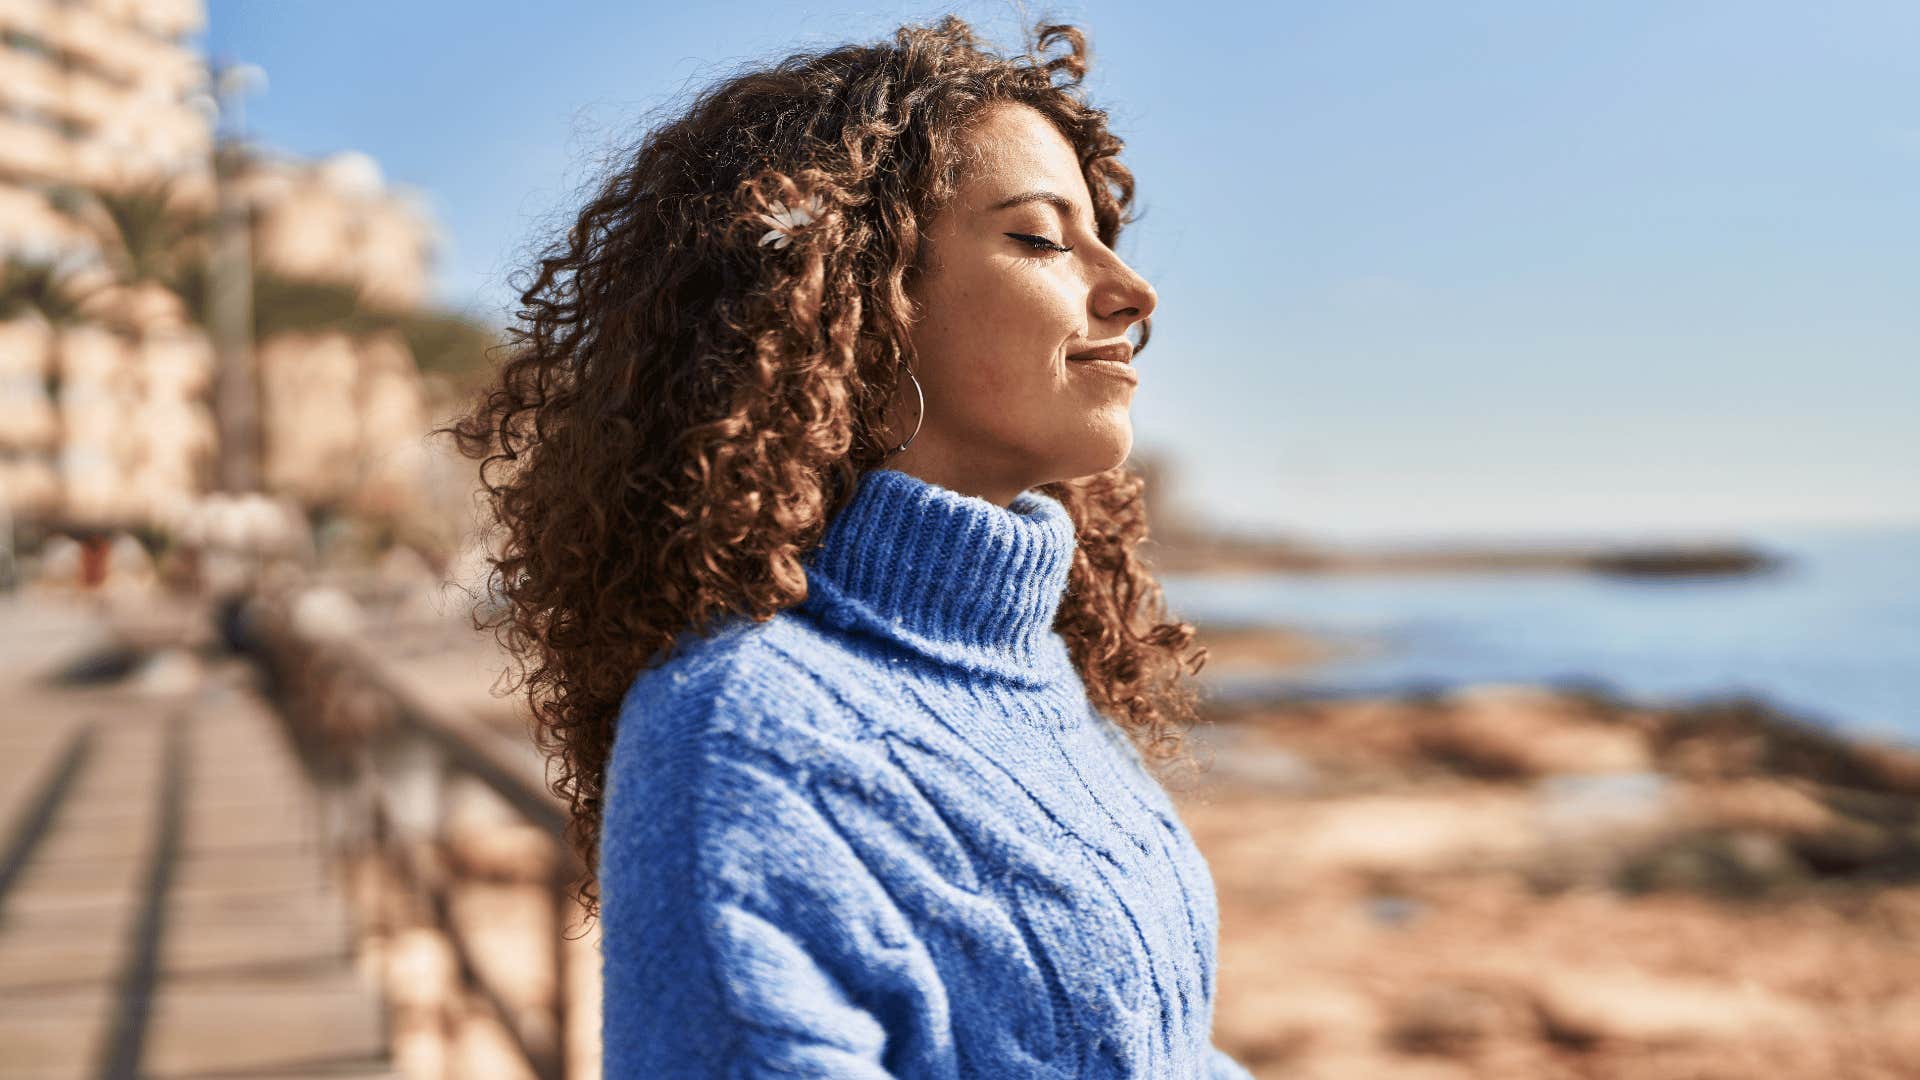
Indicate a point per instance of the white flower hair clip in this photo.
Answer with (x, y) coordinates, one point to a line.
(786, 221)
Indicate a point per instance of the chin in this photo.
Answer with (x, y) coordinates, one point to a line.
(1096, 455)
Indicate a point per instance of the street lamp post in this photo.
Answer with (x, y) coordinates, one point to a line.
(230, 280)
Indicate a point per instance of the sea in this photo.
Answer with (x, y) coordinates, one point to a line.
(1831, 636)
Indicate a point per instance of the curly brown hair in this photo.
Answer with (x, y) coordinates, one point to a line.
(678, 416)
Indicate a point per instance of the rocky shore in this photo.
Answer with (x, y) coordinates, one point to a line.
(1194, 552)
(1523, 882)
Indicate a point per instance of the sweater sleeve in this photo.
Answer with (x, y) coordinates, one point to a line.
(741, 935)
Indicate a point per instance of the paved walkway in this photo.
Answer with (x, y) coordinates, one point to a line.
(166, 908)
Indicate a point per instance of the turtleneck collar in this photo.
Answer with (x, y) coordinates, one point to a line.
(951, 576)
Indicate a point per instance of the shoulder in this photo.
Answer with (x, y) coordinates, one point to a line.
(738, 681)
(774, 693)
(723, 709)
(736, 768)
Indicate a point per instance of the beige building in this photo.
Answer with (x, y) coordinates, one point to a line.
(344, 417)
(337, 219)
(97, 423)
(99, 94)
(108, 420)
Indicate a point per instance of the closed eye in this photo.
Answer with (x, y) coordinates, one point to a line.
(1040, 242)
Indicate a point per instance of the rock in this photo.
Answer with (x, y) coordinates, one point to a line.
(1740, 863)
(1257, 648)
(1411, 833)
(1590, 823)
(1860, 849)
(1896, 767)
(1509, 731)
(1281, 1023)
(1267, 768)
(1582, 1007)
(1443, 1020)
(1603, 802)
(1764, 804)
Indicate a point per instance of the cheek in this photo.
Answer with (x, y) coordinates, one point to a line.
(996, 337)
(1031, 317)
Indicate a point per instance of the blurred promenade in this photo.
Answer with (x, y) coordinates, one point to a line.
(329, 855)
(333, 854)
(166, 909)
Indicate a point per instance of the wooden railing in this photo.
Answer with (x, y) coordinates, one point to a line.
(438, 819)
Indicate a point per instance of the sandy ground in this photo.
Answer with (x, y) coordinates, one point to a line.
(1518, 882)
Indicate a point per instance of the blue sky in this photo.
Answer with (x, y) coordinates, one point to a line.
(1426, 270)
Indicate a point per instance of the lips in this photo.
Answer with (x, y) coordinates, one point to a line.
(1118, 370)
(1118, 352)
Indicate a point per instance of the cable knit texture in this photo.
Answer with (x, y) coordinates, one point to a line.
(885, 833)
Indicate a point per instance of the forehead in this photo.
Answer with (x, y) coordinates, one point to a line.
(1013, 147)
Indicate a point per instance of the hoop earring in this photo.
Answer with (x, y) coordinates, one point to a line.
(923, 412)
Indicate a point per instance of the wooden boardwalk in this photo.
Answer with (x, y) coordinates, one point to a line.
(166, 906)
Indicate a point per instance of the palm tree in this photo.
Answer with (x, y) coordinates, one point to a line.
(44, 287)
(56, 293)
(156, 241)
(150, 235)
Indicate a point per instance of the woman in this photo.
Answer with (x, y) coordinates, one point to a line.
(821, 561)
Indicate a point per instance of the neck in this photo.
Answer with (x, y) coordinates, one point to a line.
(970, 470)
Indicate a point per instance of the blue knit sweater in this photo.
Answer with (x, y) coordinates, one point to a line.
(885, 833)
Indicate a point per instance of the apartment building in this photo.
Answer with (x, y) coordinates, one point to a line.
(106, 412)
(98, 96)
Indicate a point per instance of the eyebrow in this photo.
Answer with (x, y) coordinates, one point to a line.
(1057, 201)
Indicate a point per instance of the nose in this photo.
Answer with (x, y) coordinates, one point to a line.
(1123, 295)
